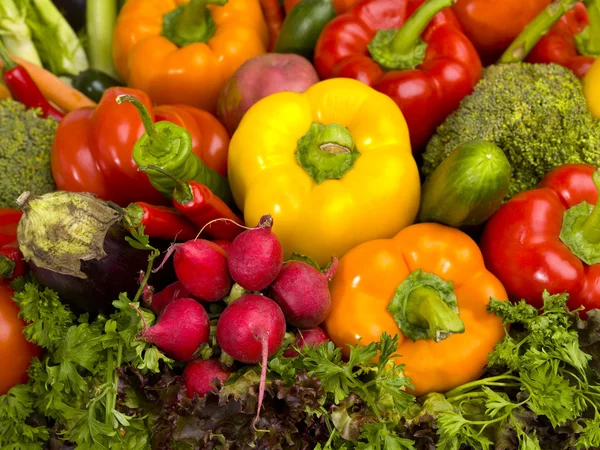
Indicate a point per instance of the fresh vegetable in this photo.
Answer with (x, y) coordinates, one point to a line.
(180, 330)
(207, 211)
(412, 50)
(250, 328)
(259, 77)
(255, 256)
(565, 44)
(93, 83)
(547, 239)
(302, 27)
(332, 166)
(273, 13)
(25, 140)
(536, 113)
(467, 187)
(58, 45)
(54, 89)
(302, 293)
(201, 267)
(15, 351)
(591, 88)
(429, 285)
(158, 301)
(101, 17)
(4, 92)
(15, 33)
(12, 264)
(225, 245)
(24, 89)
(159, 222)
(75, 246)
(184, 52)
(309, 338)
(493, 24)
(341, 6)
(199, 376)
(9, 220)
(170, 147)
(92, 151)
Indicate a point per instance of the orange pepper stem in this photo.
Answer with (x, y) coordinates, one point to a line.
(403, 48)
(156, 139)
(425, 308)
(191, 23)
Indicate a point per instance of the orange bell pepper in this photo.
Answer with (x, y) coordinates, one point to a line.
(184, 52)
(429, 286)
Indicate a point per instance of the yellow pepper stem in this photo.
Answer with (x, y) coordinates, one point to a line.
(326, 151)
(190, 23)
(424, 307)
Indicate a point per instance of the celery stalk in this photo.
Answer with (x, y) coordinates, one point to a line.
(15, 34)
(101, 16)
(59, 47)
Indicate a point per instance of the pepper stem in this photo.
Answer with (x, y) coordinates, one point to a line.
(9, 64)
(326, 151)
(535, 30)
(591, 226)
(403, 48)
(424, 307)
(588, 41)
(182, 192)
(156, 139)
(7, 267)
(190, 23)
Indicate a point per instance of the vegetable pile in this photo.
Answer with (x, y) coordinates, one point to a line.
(300, 224)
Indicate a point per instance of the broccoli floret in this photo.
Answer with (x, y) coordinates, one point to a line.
(25, 143)
(536, 113)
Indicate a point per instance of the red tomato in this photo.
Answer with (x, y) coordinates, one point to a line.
(15, 352)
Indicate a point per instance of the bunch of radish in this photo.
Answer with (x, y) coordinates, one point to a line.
(252, 327)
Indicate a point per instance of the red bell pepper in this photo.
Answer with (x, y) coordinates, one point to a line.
(92, 148)
(412, 50)
(9, 220)
(548, 238)
(573, 42)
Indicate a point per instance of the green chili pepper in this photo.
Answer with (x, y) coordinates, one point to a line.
(169, 147)
(93, 83)
(303, 25)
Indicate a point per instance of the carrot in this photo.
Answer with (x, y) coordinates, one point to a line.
(4, 93)
(55, 89)
(274, 17)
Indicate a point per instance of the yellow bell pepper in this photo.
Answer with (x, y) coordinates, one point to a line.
(591, 88)
(332, 165)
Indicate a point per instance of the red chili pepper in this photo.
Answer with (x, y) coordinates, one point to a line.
(23, 88)
(160, 222)
(12, 264)
(274, 17)
(549, 238)
(9, 220)
(573, 42)
(412, 50)
(201, 206)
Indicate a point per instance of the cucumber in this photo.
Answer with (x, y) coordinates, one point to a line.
(467, 187)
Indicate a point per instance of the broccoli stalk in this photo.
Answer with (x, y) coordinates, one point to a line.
(536, 113)
(15, 33)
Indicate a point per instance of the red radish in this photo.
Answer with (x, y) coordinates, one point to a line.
(201, 266)
(161, 299)
(200, 374)
(303, 294)
(180, 330)
(311, 338)
(250, 330)
(255, 256)
(225, 245)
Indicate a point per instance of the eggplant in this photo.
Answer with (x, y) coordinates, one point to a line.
(75, 245)
(74, 12)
